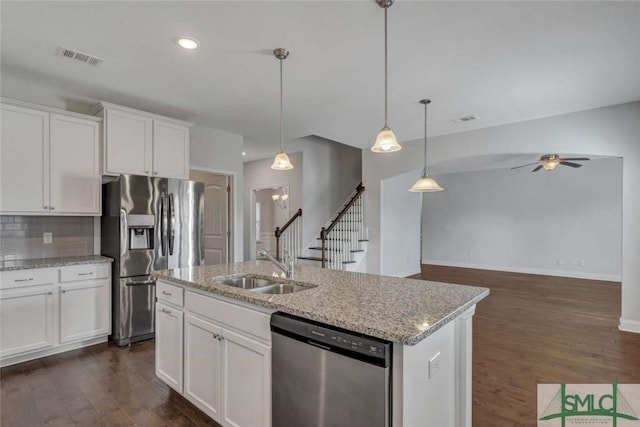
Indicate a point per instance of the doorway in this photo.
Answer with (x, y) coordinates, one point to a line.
(271, 211)
(217, 216)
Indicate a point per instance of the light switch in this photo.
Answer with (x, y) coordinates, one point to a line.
(47, 238)
(434, 365)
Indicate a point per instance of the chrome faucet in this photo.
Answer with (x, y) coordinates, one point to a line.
(286, 265)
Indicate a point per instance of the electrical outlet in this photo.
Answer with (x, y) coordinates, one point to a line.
(581, 263)
(47, 238)
(434, 365)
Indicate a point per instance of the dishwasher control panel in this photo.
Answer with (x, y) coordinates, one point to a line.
(347, 341)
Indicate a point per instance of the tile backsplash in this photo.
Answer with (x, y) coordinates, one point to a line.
(21, 236)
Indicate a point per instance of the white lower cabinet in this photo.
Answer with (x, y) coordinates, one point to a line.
(26, 320)
(203, 362)
(52, 310)
(169, 345)
(246, 382)
(227, 357)
(84, 310)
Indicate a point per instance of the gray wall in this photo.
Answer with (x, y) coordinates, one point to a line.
(543, 222)
(21, 236)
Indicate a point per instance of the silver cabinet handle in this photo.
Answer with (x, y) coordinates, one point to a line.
(218, 337)
(50, 293)
(45, 208)
(23, 280)
(166, 293)
(64, 291)
(164, 310)
(146, 171)
(52, 208)
(155, 173)
(85, 274)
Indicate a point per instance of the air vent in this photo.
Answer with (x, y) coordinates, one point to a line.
(465, 119)
(79, 56)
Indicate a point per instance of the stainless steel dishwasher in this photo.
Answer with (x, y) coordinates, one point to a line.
(328, 377)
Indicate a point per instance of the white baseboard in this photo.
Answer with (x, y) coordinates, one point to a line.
(540, 271)
(12, 360)
(629, 325)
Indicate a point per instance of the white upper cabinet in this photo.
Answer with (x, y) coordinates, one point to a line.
(128, 143)
(140, 143)
(170, 150)
(50, 161)
(75, 165)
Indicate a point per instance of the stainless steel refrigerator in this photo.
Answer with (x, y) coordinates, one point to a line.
(147, 224)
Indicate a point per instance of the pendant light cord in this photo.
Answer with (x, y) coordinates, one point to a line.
(425, 140)
(281, 113)
(385, 66)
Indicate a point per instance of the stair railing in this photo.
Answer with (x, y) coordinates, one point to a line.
(291, 235)
(343, 233)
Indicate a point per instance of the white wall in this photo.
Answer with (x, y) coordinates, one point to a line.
(400, 216)
(609, 131)
(218, 151)
(540, 223)
(258, 174)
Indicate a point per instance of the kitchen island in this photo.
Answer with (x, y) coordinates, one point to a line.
(429, 323)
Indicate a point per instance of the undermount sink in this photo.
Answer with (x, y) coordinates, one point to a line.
(265, 286)
(281, 288)
(246, 282)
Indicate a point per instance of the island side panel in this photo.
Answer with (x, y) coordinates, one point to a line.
(432, 379)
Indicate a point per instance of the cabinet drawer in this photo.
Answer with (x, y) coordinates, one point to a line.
(30, 277)
(169, 293)
(84, 272)
(234, 316)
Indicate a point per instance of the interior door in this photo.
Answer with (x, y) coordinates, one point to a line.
(216, 216)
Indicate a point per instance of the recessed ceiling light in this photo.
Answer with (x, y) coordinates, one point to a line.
(244, 153)
(188, 43)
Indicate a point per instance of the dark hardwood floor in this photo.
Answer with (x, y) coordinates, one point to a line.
(540, 329)
(530, 330)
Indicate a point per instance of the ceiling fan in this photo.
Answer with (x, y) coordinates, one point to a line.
(550, 161)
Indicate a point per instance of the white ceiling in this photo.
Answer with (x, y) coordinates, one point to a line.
(504, 61)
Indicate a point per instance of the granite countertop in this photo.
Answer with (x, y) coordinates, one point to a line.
(395, 309)
(25, 264)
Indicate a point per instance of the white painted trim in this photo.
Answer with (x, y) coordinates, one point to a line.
(100, 106)
(405, 273)
(629, 325)
(46, 108)
(539, 271)
(7, 361)
(238, 222)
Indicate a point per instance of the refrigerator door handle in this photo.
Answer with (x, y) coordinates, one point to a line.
(170, 231)
(163, 225)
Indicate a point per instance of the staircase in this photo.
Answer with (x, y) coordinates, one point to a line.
(342, 242)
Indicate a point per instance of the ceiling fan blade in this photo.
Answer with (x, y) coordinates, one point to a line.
(537, 169)
(577, 158)
(524, 166)
(573, 165)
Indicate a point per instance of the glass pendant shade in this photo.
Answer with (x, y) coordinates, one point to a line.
(281, 162)
(426, 184)
(550, 164)
(386, 142)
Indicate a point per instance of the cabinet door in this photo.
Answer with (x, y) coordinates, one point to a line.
(246, 382)
(84, 310)
(26, 320)
(169, 345)
(128, 143)
(170, 150)
(203, 354)
(74, 166)
(24, 160)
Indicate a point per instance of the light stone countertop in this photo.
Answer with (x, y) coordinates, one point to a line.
(26, 264)
(405, 311)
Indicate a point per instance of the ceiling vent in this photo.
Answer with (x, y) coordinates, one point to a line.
(465, 119)
(79, 56)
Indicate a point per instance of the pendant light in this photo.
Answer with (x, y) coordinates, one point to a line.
(386, 141)
(425, 184)
(281, 162)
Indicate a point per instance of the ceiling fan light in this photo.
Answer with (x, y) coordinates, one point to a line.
(275, 197)
(386, 142)
(550, 164)
(281, 162)
(426, 184)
